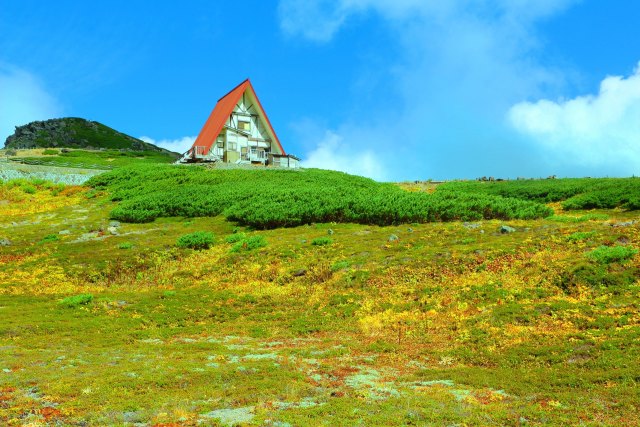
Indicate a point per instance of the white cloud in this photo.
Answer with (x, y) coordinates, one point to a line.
(456, 69)
(593, 129)
(179, 145)
(23, 99)
(332, 153)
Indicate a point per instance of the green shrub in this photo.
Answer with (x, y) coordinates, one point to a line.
(595, 276)
(125, 245)
(580, 236)
(196, 240)
(235, 238)
(249, 244)
(611, 254)
(574, 193)
(49, 238)
(76, 300)
(29, 189)
(270, 198)
(321, 241)
(340, 265)
(50, 152)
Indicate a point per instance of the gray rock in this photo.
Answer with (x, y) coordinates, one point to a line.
(299, 273)
(393, 238)
(410, 230)
(622, 224)
(330, 232)
(504, 229)
(471, 225)
(114, 224)
(5, 242)
(132, 416)
(64, 232)
(113, 230)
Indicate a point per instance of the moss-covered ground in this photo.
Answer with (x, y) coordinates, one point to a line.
(419, 324)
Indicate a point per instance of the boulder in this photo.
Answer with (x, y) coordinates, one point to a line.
(5, 242)
(505, 229)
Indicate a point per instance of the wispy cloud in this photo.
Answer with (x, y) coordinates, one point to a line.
(23, 99)
(460, 66)
(331, 152)
(179, 145)
(600, 129)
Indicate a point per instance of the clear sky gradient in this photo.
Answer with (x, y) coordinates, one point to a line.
(391, 89)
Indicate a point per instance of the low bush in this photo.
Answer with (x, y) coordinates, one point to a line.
(50, 152)
(76, 300)
(580, 236)
(271, 198)
(125, 245)
(29, 189)
(321, 241)
(611, 254)
(49, 238)
(235, 238)
(574, 193)
(249, 244)
(196, 240)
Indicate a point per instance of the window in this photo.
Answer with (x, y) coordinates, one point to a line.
(232, 146)
(246, 126)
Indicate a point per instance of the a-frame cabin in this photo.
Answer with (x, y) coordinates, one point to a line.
(238, 131)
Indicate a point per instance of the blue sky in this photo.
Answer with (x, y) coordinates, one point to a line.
(391, 89)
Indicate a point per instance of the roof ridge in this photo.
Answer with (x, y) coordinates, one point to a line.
(236, 87)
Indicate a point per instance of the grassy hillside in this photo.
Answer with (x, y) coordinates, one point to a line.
(337, 323)
(73, 132)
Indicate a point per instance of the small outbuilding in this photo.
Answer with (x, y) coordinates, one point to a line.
(238, 131)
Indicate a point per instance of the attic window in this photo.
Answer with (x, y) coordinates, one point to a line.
(244, 125)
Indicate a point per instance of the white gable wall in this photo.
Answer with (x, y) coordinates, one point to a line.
(239, 142)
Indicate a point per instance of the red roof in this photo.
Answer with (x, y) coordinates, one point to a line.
(220, 114)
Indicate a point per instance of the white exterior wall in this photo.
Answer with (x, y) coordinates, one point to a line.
(258, 138)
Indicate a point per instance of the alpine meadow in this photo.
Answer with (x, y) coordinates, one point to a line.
(184, 295)
(320, 213)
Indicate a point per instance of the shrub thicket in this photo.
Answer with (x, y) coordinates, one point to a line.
(249, 244)
(610, 254)
(574, 193)
(321, 241)
(284, 198)
(196, 240)
(76, 300)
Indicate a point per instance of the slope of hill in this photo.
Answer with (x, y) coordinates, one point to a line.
(72, 132)
(530, 321)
